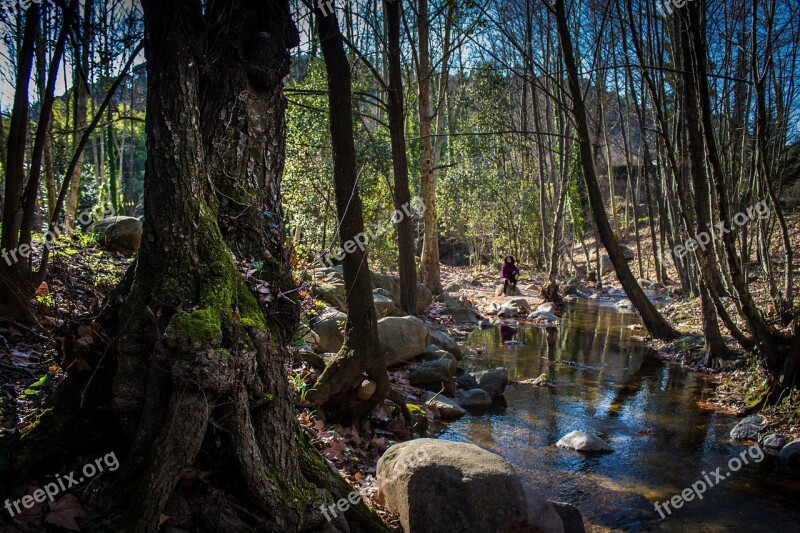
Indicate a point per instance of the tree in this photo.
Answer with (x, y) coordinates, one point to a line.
(653, 321)
(338, 387)
(196, 377)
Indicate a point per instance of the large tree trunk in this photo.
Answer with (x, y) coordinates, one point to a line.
(197, 381)
(653, 321)
(429, 262)
(337, 388)
(402, 196)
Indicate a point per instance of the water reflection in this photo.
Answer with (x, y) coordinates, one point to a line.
(607, 382)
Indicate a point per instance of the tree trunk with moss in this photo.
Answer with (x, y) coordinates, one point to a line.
(201, 406)
(359, 359)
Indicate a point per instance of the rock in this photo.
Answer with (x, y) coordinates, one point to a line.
(391, 284)
(581, 441)
(486, 324)
(658, 287)
(431, 373)
(571, 286)
(625, 305)
(436, 485)
(541, 514)
(329, 327)
(493, 381)
(453, 287)
(512, 291)
(442, 340)
(474, 398)
(461, 315)
(118, 232)
(448, 301)
(773, 442)
(401, 338)
(539, 317)
(439, 355)
(476, 283)
(571, 517)
(547, 307)
(446, 408)
(790, 455)
(521, 304)
(571, 298)
(467, 382)
(330, 292)
(748, 428)
(581, 272)
(508, 310)
(384, 305)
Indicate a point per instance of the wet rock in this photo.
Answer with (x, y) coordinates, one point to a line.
(474, 398)
(542, 516)
(486, 324)
(547, 307)
(748, 428)
(493, 381)
(401, 338)
(118, 232)
(444, 407)
(571, 517)
(461, 315)
(538, 316)
(435, 485)
(571, 298)
(467, 382)
(580, 441)
(328, 328)
(571, 286)
(790, 455)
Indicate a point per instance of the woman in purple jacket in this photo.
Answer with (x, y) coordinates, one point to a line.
(508, 274)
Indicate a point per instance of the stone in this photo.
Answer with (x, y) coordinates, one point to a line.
(444, 407)
(431, 373)
(453, 287)
(547, 307)
(118, 232)
(790, 455)
(329, 328)
(422, 296)
(571, 286)
(486, 324)
(436, 485)
(543, 317)
(438, 355)
(461, 315)
(476, 283)
(541, 513)
(512, 291)
(401, 338)
(773, 442)
(330, 292)
(448, 301)
(581, 441)
(443, 340)
(521, 304)
(384, 305)
(748, 428)
(571, 517)
(467, 382)
(493, 381)
(474, 398)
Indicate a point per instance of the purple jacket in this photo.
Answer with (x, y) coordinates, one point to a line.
(508, 271)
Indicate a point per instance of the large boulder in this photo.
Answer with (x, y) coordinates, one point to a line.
(401, 338)
(474, 398)
(391, 284)
(329, 327)
(571, 517)
(435, 485)
(432, 373)
(493, 381)
(331, 292)
(580, 441)
(748, 428)
(118, 232)
(461, 315)
(384, 305)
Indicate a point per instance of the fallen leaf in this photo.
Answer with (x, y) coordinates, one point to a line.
(63, 513)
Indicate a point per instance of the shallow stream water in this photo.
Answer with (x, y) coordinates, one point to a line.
(605, 381)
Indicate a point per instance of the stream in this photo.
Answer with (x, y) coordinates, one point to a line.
(607, 382)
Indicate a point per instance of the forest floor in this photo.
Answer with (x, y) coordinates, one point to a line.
(82, 274)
